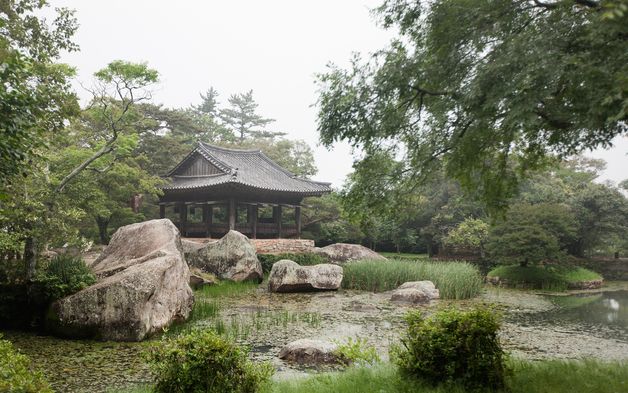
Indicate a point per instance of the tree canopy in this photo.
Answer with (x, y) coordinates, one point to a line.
(35, 94)
(489, 89)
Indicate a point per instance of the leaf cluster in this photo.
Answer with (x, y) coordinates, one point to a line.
(453, 347)
(16, 374)
(203, 361)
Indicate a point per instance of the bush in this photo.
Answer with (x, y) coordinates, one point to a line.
(203, 361)
(356, 352)
(16, 374)
(454, 280)
(303, 259)
(549, 277)
(64, 275)
(453, 347)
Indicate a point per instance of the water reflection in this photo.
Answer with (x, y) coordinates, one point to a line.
(602, 314)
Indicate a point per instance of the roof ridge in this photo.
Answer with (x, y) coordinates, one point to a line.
(203, 150)
(228, 149)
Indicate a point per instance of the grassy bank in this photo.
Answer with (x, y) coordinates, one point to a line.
(549, 376)
(404, 256)
(550, 277)
(455, 280)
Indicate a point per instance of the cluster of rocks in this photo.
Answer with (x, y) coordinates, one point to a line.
(146, 274)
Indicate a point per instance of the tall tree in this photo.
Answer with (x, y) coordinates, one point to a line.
(209, 103)
(243, 119)
(487, 88)
(35, 95)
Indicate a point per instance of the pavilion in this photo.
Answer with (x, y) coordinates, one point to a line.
(215, 189)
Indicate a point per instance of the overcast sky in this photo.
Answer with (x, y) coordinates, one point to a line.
(273, 47)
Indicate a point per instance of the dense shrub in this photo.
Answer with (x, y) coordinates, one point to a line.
(16, 374)
(303, 259)
(454, 280)
(356, 352)
(550, 277)
(203, 361)
(12, 271)
(453, 347)
(63, 276)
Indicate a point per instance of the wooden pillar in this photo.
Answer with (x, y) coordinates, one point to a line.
(297, 220)
(232, 213)
(183, 217)
(278, 221)
(254, 215)
(210, 219)
(206, 213)
(162, 211)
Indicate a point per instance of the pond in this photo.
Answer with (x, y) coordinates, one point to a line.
(535, 326)
(602, 314)
(582, 324)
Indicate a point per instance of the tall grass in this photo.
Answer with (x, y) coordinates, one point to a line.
(549, 376)
(209, 303)
(454, 280)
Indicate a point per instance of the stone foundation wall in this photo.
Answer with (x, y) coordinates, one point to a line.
(281, 246)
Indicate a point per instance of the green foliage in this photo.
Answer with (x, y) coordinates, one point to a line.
(569, 376)
(16, 373)
(471, 234)
(531, 234)
(381, 378)
(133, 74)
(303, 259)
(64, 275)
(243, 120)
(454, 280)
(357, 352)
(203, 361)
(542, 376)
(10, 243)
(453, 347)
(35, 93)
(549, 277)
(488, 89)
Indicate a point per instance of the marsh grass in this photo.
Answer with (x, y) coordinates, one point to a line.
(209, 304)
(548, 277)
(454, 280)
(226, 289)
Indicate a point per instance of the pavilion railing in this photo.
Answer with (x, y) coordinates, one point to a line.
(219, 229)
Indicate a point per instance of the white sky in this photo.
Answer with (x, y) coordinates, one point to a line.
(274, 47)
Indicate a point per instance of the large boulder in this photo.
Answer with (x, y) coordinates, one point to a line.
(142, 287)
(289, 276)
(344, 252)
(308, 352)
(415, 292)
(231, 258)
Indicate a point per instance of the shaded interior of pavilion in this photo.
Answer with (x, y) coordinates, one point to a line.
(215, 219)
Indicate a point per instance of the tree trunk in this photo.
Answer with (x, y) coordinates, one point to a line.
(30, 257)
(103, 224)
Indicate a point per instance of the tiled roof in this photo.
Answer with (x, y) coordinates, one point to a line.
(250, 168)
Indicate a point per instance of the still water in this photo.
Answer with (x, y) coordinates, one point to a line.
(602, 314)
